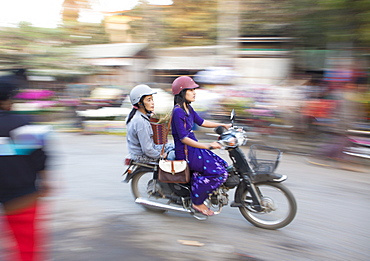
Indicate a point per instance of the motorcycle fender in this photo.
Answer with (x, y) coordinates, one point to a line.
(130, 175)
(245, 185)
(263, 178)
(239, 191)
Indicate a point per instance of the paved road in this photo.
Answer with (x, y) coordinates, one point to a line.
(95, 218)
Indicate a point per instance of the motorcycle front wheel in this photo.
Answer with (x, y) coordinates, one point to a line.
(278, 206)
(143, 186)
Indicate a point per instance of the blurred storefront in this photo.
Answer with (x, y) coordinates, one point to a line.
(122, 64)
(252, 60)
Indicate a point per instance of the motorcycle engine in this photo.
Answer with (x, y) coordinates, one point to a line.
(219, 197)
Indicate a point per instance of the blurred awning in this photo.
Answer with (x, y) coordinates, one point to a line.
(111, 62)
(56, 72)
(110, 50)
(41, 78)
(182, 62)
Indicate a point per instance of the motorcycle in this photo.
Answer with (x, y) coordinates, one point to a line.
(261, 197)
(359, 141)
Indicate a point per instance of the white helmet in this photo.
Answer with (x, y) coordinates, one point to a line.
(139, 91)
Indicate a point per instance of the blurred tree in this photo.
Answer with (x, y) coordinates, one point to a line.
(72, 8)
(191, 23)
(265, 17)
(81, 33)
(184, 23)
(45, 48)
(318, 23)
(313, 23)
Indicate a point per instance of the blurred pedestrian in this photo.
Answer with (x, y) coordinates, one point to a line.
(22, 179)
(209, 170)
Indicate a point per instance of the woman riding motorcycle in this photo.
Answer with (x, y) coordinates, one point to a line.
(209, 169)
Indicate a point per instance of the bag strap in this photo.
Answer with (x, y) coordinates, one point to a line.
(168, 130)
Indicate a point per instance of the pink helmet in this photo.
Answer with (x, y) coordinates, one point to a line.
(182, 83)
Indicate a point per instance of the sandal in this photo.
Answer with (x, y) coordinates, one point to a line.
(206, 212)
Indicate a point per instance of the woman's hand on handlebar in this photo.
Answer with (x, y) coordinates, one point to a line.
(215, 145)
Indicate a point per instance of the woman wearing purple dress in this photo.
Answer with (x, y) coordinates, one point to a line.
(209, 170)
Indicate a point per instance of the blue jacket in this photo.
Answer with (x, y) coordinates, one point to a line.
(18, 173)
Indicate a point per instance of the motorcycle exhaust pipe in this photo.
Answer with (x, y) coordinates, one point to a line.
(161, 206)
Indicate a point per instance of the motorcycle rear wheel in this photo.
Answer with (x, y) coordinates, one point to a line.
(139, 187)
(279, 205)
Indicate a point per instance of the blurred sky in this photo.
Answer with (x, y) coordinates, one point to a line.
(47, 13)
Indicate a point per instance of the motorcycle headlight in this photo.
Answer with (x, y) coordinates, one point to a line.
(241, 138)
(232, 141)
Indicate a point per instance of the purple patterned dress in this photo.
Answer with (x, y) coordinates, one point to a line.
(209, 170)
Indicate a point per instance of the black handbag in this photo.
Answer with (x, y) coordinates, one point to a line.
(173, 171)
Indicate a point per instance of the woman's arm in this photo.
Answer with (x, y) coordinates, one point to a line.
(210, 124)
(195, 144)
(146, 143)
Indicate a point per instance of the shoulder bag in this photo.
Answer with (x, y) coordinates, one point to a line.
(173, 171)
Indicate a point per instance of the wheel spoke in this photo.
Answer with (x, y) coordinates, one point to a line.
(278, 206)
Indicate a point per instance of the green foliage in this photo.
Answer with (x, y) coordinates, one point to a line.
(318, 23)
(265, 17)
(313, 23)
(185, 23)
(45, 48)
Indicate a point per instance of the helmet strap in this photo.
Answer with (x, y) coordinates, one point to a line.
(141, 104)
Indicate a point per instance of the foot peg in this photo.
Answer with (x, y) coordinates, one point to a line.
(236, 205)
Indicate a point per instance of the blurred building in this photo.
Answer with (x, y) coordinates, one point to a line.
(123, 64)
(262, 60)
(169, 63)
(117, 25)
(255, 60)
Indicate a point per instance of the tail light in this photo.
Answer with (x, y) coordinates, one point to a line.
(128, 161)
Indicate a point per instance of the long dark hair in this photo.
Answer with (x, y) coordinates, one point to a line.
(131, 114)
(180, 100)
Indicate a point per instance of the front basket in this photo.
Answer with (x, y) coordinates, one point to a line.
(264, 159)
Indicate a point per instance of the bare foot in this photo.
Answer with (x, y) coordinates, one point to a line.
(203, 209)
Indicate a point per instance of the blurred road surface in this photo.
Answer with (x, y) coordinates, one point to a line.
(95, 218)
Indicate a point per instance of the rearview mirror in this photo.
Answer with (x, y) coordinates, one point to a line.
(219, 130)
(232, 117)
